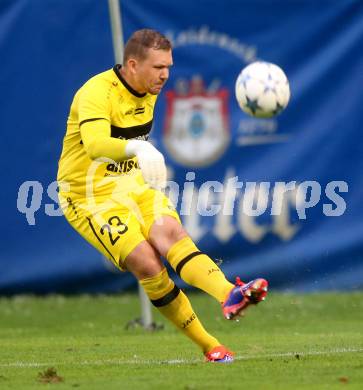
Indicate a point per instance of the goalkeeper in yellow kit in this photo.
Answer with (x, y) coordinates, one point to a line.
(110, 187)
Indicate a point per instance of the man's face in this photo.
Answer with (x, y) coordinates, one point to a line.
(153, 71)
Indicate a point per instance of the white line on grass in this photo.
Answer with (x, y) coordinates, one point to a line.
(106, 362)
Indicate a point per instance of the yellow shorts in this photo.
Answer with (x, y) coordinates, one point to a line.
(115, 227)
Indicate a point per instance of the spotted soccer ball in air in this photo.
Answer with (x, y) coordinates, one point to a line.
(262, 89)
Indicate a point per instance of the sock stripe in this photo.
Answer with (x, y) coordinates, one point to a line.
(167, 298)
(182, 263)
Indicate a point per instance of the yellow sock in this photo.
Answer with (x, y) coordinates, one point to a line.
(175, 306)
(198, 269)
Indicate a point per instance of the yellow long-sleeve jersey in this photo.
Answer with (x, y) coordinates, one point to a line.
(104, 114)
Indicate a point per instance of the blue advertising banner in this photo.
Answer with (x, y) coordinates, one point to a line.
(277, 198)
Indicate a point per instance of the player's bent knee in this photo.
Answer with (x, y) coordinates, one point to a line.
(177, 231)
(165, 233)
(143, 261)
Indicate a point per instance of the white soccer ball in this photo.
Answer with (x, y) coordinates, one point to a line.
(262, 89)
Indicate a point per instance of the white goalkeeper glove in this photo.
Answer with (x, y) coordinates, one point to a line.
(151, 162)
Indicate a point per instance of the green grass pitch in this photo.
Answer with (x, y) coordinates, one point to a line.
(290, 341)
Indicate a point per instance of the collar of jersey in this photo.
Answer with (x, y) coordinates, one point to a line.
(116, 69)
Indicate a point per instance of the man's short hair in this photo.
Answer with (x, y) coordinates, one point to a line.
(142, 40)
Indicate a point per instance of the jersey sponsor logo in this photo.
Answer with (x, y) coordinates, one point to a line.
(122, 167)
(196, 128)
